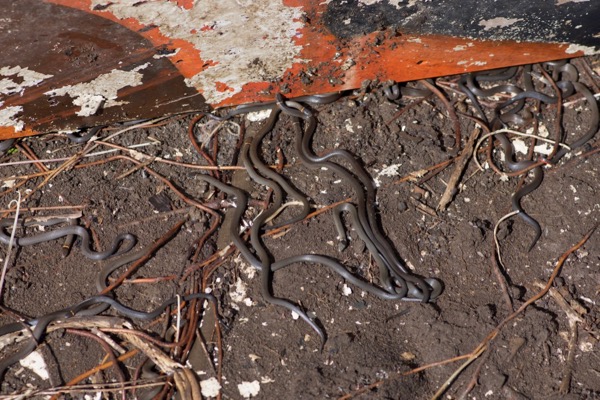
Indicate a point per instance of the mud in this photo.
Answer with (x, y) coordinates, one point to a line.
(369, 340)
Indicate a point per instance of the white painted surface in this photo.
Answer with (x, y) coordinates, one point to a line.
(229, 33)
(561, 2)
(14, 80)
(587, 50)
(101, 92)
(25, 77)
(499, 22)
(8, 117)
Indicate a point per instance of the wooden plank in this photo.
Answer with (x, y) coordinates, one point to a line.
(77, 63)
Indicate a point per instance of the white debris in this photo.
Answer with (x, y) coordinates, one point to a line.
(346, 291)
(210, 387)
(258, 116)
(249, 389)
(35, 362)
(7, 117)
(348, 125)
(575, 48)
(238, 295)
(390, 171)
(9, 183)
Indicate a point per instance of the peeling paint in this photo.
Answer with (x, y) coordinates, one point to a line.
(395, 3)
(100, 92)
(561, 2)
(230, 36)
(7, 117)
(499, 22)
(575, 48)
(27, 77)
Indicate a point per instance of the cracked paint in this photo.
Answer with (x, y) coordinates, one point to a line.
(575, 48)
(7, 117)
(499, 22)
(27, 78)
(238, 41)
(100, 92)
(561, 2)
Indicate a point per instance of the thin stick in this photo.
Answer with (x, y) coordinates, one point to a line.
(459, 167)
(487, 135)
(456, 373)
(407, 373)
(94, 370)
(451, 112)
(507, 216)
(50, 208)
(501, 279)
(11, 241)
(140, 261)
(492, 335)
(309, 216)
(413, 176)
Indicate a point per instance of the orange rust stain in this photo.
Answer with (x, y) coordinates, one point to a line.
(186, 4)
(8, 132)
(332, 64)
(222, 87)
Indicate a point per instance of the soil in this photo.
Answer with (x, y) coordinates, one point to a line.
(369, 340)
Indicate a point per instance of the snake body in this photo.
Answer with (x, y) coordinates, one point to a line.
(38, 326)
(67, 231)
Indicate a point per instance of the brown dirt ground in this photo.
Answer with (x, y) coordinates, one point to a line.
(369, 339)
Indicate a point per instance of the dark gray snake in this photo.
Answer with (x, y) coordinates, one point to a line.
(38, 326)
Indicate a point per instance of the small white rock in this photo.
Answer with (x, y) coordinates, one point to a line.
(249, 389)
(346, 291)
(210, 387)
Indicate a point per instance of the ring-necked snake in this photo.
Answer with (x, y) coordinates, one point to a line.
(40, 324)
(67, 231)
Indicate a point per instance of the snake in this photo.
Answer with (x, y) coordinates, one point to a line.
(278, 182)
(68, 230)
(263, 263)
(6, 144)
(38, 326)
(468, 84)
(83, 138)
(365, 195)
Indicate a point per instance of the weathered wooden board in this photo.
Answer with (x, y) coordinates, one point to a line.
(69, 64)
